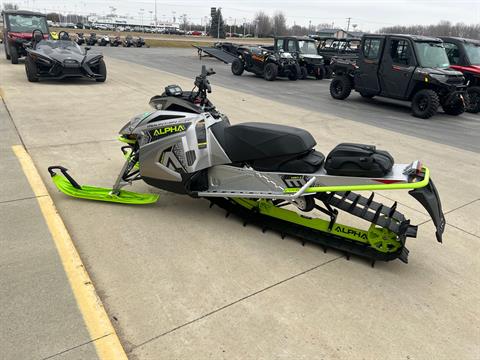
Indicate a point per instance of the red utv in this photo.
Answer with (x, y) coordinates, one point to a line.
(18, 26)
(464, 56)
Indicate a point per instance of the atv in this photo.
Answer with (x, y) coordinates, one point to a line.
(269, 175)
(80, 39)
(330, 47)
(404, 67)
(305, 51)
(117, 41)
(18, 26)
(266, 62)
(59, 59)
(104, 40)
(92, 40)
(464, 56)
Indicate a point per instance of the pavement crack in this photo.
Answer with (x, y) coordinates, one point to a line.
(13, 122)
(21, 199)
(233, 303)
(75, 347)
(461, 206)
(465, 231)
(72, 144)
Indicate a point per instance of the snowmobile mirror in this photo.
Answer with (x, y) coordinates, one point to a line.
(87, 48)
(173, 90)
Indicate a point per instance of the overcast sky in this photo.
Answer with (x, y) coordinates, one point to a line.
(367, 14)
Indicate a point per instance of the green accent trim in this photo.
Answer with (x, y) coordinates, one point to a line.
(412, 185)
(382, 240)
(127, 157)
(127, 141)
(102, 194)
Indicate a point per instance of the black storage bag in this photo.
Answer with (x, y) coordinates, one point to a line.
(358, 160)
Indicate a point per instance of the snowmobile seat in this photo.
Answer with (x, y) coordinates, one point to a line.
(256, 141)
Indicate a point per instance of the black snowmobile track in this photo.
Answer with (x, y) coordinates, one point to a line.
(305, 234)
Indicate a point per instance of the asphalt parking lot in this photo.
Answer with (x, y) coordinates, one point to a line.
(180, 281)
(461, 132)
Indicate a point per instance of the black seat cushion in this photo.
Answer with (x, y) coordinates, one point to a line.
(306, 163)
(253, 141)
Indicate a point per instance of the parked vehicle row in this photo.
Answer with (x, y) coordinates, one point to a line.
(404, 67)
(27, 35)
(105, 40)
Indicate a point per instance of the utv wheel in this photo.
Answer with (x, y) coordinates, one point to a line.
(102, 70)
(320, 74)
(5, 48)
(456, 107)
(425, 104)
(14, 55)
(304, 73)
(340, 87)
(237, 67)
(270, 72)
(31, 69)
(473, 99)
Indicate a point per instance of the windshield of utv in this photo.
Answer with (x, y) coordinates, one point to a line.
(473, 53)
(307, 47)
(431, 54)
(27, 23)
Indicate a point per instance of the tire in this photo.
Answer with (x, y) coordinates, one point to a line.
(102, 70)
(340, 87)
(13, 55)
(320, 74)
(237, 67)
(425, 104)
(473, 99)
(31, 69)
(5, 48)
(304, 73)
(457, 107)
(270, 72)
(296, 73)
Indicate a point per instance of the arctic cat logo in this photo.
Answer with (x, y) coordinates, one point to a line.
(169, 130)
(294, 181)
(358, 234)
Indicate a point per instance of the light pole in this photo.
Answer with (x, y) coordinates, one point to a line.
(230, 21)
(218, 22)
(141, 17)
(244, 26)
(155, 14)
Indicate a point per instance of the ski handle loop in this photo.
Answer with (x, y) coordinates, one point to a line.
(65, 173)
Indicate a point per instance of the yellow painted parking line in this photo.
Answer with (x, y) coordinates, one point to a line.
(94, 315)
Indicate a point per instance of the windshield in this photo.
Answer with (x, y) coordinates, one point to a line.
(432, 55)
(27, 23)
(307, 47)
(473, 53)
(58, 44)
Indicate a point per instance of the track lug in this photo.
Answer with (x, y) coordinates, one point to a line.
(264, 230)
(303, 243)
(245, 223)
(227, 214)
(211, 204)
(373, 263)
(282, 235)
(347, 256)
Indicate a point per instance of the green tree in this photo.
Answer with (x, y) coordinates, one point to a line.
(217, 28)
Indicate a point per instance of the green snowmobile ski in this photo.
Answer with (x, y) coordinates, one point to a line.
(269, 175)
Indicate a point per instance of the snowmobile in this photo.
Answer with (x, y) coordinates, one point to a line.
(269, 175)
